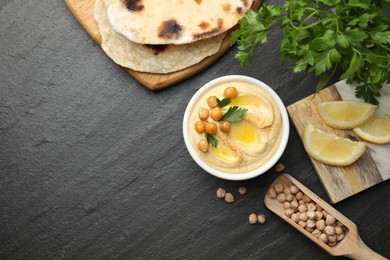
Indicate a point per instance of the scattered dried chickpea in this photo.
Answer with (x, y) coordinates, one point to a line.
(199, 127)
(216, 113)
(261, 218)
(242, 190)
(280, 167)
(221, 193)
(229, 198)
(224, 126)
(212, 101)
(203, 113)
(230, 92)
(252, 218)
(203, 145)
(211, 128)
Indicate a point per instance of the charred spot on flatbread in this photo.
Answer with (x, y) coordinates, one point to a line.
(133, 5)
(239, 10)
(198, 1)
(169, 29)
(156, 48)
(204, 25)
(226, 8)
(212, 31)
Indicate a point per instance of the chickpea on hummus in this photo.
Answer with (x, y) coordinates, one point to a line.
(238, 147)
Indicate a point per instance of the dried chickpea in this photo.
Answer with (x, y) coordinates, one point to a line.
(211, 128)
(332, 238)
(340, 237)
(261, 218)
(289, 212)
(316, 233)
(212, 101)
(330, 220)
(306, 198)
(281, 197)
(331, 244)
(203, 113)
(311, 214)
(203, 145)
(338, 230)
(272, 193)
(294, 204)
(252, 219)
(299, 195)
(294, 189)
(310, 223)
(242, 190)
(312, 206)
(230, 92)
(301, 203)
(295, 217)
(221, 193)
(319, 208)
(229, 198)
(309, 228)
(286, 190)
(286, 205)
(302, 217)
(280, 167)
(216, 113)
(224, 126)
(302, 208)
(289, 197)
(319, 215)
(302, 223)
(324, 238)
(279, 188)
(329, 230)
(199, 127)
(320, 224)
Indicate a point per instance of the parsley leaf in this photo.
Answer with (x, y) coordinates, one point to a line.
(320, 36)
(212, 140)
(223, 102)
(234, 114)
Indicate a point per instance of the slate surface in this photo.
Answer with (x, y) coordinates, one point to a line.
(94, 166)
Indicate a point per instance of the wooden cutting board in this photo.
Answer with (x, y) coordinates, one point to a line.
(372, 168)
(83, 11)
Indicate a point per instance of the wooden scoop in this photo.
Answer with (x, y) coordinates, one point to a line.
(351, 246)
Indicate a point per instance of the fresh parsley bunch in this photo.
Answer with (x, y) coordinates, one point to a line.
(322, 35)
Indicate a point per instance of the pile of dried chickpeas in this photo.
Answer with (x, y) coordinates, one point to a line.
(215, 112)
(308, 214)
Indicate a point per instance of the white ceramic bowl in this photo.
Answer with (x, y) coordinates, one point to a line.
(236, 176)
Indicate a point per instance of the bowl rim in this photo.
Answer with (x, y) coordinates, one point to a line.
(237, 176)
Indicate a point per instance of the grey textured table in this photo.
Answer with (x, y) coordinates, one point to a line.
(94, 166)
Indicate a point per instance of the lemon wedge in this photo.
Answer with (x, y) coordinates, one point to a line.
(346, 114)
(331, 149)
(375, 131)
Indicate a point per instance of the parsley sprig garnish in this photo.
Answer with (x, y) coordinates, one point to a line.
(212, 140)
(323, 35)
(223, 102)
(234, 114)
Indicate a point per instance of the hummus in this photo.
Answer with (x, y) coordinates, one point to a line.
(252, 141)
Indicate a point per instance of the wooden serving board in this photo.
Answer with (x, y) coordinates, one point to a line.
(342, 182)
(83, 12)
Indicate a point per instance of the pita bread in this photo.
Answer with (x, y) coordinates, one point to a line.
(151, 58)
(174, 21)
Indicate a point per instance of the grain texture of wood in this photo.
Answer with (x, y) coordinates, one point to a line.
(83, 11)
(351, 246)
(339, 182)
